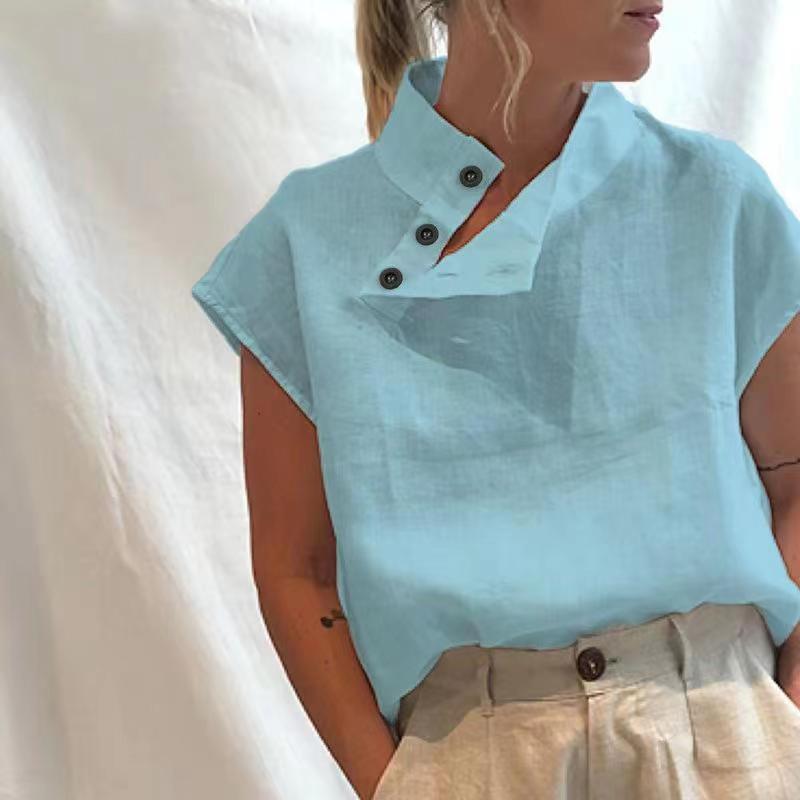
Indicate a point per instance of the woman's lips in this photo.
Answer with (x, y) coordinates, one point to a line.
(644, 21)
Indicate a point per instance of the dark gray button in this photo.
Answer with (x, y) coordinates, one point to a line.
(390, 278)
(591, 663)
(470, 176)
(427, 233)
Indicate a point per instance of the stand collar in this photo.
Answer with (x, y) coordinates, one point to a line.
(425, 156)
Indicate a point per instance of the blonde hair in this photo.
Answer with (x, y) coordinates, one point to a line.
(392, 33)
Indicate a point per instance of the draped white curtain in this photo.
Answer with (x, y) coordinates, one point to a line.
(136, 137)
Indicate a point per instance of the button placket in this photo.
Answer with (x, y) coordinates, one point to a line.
(470, 177)
(403, 273)
(419, 248)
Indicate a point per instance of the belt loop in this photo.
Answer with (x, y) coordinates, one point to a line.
(485, 680)
(686, 652)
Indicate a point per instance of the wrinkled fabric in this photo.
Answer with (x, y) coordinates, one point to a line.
(538, 436)
(687, 708)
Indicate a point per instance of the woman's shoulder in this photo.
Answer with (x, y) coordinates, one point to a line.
(726, 162)
(337, 175)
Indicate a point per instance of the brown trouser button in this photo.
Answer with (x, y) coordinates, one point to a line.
(591, 663)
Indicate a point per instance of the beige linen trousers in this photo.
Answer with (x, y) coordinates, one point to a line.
(681, 707)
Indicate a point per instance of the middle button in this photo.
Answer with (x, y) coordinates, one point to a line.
(427, 233)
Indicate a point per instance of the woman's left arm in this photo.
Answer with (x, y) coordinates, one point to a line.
(769, 411)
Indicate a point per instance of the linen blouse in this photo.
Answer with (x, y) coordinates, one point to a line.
(539, 436)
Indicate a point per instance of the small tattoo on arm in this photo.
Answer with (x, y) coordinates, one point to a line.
(328, 621)
(777, 466)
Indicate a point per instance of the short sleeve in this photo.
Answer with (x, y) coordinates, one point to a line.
(249, 295)
(766, 268)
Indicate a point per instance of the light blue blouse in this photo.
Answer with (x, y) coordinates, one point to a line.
(538, 437)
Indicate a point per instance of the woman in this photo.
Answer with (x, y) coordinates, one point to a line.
(519, 395)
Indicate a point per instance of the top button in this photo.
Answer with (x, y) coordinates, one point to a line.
(591, 663)
(470, 176)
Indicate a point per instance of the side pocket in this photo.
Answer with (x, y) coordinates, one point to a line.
(789, 705)
(725, 702)
(389, 784)
(759, 647)
(383, 791)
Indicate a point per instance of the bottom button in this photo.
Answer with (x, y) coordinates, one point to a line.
(390, 278)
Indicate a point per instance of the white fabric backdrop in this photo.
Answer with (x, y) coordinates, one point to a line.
(135, 139)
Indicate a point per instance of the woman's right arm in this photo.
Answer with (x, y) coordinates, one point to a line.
(293, 549)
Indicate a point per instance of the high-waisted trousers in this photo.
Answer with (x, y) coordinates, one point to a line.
(682, 707)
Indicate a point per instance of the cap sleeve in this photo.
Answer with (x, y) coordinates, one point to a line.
(767, 268)
(249, 295)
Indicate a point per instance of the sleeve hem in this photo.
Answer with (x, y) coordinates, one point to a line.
(745, 372)
(236, 334)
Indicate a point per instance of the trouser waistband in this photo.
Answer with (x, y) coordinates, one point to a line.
(594, 663)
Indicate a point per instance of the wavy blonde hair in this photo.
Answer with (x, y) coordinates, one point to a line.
(392, 33)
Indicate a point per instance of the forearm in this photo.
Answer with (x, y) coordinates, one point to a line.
(324, 670)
